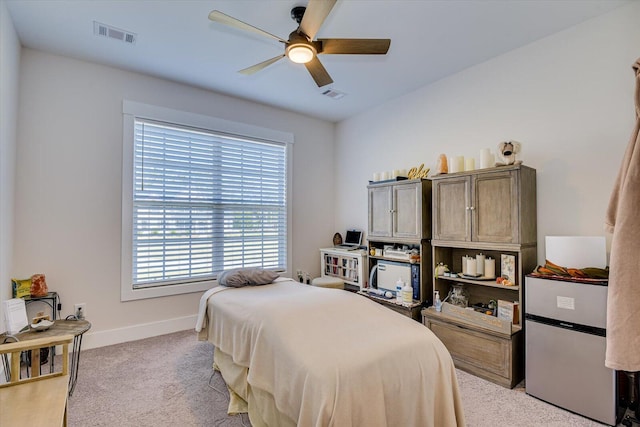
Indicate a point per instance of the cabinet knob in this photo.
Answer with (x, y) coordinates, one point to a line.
(472, 208)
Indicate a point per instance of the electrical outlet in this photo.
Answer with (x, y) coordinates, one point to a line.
(80, 310)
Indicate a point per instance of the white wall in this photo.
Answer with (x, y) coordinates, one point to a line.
(567, 98)
(9, 66)
(68, 185)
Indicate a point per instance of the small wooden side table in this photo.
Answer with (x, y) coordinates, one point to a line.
(77, 328)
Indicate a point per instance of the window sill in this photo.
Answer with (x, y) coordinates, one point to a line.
(130, 294)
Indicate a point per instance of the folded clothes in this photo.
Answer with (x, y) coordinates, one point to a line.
(551, 269)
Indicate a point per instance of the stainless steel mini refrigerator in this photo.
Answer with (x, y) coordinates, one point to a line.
(565, 329)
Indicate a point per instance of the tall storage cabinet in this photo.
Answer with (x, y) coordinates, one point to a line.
(490, 212)
(399, 210)
(400, 216)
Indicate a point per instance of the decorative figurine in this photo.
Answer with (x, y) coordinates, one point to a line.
(507, 153)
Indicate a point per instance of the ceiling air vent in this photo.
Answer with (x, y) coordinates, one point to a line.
(104, 30)
(334, 94)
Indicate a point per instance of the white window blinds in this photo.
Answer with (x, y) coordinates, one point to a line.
(204, 202)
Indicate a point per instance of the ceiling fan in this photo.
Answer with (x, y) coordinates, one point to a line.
(301, 46)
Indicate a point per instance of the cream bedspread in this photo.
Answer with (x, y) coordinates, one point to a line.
(333, 358)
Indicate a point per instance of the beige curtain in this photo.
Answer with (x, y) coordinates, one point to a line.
(623, 220)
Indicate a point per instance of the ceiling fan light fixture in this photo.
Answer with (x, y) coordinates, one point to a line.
(301, 47)
(300, 53)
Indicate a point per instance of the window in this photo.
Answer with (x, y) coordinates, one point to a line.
(200, 200)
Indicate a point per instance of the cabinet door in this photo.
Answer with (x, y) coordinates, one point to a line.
(451, 219)
(380, 206)
(407, 214)
(495, 208)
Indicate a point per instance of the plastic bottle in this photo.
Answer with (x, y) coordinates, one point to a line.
(436, 301)
(399, 286)
(407, 294)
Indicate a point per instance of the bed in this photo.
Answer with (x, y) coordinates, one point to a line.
(300, 355)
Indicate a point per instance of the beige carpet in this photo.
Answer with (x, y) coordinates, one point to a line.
(164, 381)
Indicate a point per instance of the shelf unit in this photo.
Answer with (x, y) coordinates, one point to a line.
(424, 249)
(400, 216)
(481, 291)
(493, 212)
(347, 265)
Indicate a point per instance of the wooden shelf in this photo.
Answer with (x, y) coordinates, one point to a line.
(504, 247)
(412, 311)
(394, 259)
(391, 300)
(489, 283)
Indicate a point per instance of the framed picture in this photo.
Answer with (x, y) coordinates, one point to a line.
(509, 311)
(508, 267)
(337, 239)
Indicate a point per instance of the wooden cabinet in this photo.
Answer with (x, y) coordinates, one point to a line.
(348, 265)
(490, 212)
(487, 354)
(400, 221)
(491, 205)
(400, 209)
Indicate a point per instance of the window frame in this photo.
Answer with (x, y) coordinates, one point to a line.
(132, 110)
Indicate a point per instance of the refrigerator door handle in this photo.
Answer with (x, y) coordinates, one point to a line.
(566, 325)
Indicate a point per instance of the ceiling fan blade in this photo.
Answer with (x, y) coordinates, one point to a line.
(217, 16)
(355, 46)
(318, 72)
(314, 16)
(260, 66)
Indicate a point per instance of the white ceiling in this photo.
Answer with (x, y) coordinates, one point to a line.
(175, 40)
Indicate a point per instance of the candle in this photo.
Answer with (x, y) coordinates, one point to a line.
(485, 158)
(385, 175)
(452, 165)
(460, 163)
(396, 173)
(464, 264)
(469, 163)
(490, 268)
(480, 264)
(376, 176)
(471, 267)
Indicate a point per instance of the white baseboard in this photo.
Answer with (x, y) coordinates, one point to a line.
(138, 332)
